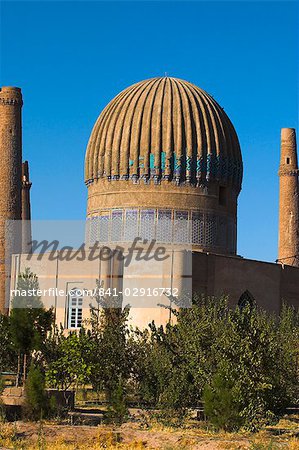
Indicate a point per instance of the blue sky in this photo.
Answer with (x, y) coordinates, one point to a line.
(72, 58)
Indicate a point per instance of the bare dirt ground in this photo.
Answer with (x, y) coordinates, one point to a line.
(50, 436)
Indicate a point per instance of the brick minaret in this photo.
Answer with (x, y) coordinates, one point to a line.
(10, 179)
(26, 209)
(288, 252)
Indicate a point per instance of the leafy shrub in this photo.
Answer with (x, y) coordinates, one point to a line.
(243, 362)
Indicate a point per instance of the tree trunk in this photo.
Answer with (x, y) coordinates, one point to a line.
(18, 378)
(24, 368)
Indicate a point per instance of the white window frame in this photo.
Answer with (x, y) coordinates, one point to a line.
(75, 308)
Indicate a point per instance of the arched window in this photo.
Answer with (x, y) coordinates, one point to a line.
(246, 299)
(75, 308)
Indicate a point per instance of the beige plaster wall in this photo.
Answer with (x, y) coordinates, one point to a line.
(212, 275)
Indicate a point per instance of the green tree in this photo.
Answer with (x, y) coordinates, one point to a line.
(117, 410)
(29, 320)
(258, 351)
(67, 359)
(8, 354)
(261, 353)
(111, 353)
(179, 361)
(36, 400)
(222, 401)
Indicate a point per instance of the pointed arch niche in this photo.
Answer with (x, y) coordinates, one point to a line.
(246, 299)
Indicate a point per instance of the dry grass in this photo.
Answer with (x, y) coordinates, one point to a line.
(132, 436)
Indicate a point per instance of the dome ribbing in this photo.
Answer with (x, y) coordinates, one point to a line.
(165, 129)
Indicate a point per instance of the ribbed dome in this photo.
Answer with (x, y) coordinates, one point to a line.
(166, 129)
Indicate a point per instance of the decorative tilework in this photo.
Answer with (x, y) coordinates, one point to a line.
(164, 226)
(147, 224)
(206, 230)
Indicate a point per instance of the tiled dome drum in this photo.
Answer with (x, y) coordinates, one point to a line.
(164, 146)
